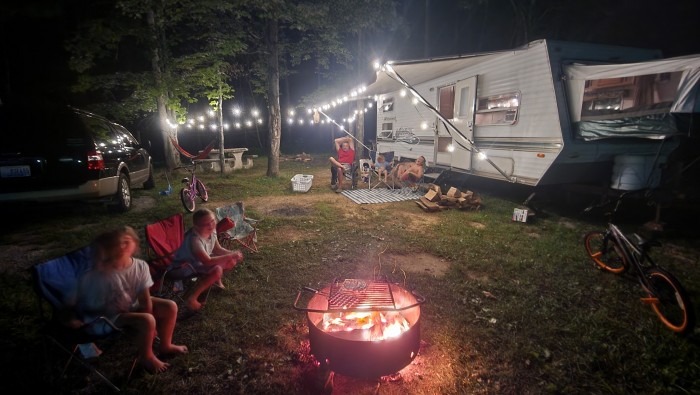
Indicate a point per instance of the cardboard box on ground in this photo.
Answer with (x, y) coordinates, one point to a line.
(522, 214)
(435, 200)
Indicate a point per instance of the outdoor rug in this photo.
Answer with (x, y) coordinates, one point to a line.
(380, 195)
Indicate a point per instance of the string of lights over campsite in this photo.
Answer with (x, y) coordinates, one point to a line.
(246, 119)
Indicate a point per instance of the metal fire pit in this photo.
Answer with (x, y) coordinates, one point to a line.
(357, 353)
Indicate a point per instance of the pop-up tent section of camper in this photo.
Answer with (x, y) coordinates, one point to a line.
(634, 99)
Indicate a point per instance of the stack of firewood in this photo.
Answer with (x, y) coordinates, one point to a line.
(435, 200)
(303, 157)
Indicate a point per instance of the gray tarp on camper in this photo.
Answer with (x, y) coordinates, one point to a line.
(633, 100)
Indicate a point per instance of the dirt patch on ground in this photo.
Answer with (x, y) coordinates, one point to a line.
(416, 263)
(143, 203)
(285, 234)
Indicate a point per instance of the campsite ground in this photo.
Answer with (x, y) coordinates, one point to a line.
(511, 307)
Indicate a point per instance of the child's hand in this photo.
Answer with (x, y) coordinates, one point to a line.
(238, 255)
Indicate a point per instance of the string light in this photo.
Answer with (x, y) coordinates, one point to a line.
(353, 94)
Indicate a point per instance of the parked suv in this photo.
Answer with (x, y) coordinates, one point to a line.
(54, 154)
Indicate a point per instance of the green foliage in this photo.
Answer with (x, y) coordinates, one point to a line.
(129, 55)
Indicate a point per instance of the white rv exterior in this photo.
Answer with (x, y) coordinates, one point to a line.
(510, 107)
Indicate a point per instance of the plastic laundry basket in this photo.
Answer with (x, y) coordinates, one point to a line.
(302, 182)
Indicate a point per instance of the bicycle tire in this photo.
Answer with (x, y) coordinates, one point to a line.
(669, 301)
(187, 199)
(605, 253)
(202, 191)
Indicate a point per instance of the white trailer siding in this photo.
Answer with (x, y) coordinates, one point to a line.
(536, 129)
(539, 147)
(407, 116)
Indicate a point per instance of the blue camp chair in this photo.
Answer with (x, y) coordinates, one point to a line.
(55, 283)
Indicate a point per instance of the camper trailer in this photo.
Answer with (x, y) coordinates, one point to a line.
(548, 113)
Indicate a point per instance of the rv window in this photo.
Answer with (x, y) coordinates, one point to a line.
(622, 97)
(386, 132)
(447, 101)
(388, 104)
(464, 102)
(498, 109)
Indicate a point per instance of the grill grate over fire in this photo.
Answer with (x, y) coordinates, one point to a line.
(360, 294)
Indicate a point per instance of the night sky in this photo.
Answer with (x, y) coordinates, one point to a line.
(33, 59)
(670, 25)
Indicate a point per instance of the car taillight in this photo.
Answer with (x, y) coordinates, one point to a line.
(95, 160)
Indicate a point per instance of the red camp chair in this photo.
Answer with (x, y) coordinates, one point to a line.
(164, 238)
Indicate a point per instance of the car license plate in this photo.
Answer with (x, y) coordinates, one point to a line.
(15, 171)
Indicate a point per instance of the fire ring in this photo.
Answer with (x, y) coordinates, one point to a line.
(363, 328)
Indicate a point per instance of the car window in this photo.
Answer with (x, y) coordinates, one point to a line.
(126, 137)
(102, 133)
(21, 128)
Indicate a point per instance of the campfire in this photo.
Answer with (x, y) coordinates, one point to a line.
(363, 328)
(375, 325)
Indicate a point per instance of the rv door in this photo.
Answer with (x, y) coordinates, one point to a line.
(453, 148)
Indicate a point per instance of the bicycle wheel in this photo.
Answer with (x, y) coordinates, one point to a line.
(669, 301)
(202, 191)
(605, 253)
(187, 199)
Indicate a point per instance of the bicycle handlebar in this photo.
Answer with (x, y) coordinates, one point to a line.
(615, 201)
(188, 167)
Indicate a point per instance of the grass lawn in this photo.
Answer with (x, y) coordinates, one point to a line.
(510, 307)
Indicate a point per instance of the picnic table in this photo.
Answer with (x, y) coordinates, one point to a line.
(233, 160)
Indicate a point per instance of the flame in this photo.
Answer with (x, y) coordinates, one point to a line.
(377, 325)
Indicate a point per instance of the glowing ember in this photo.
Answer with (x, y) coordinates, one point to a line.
(374, 325)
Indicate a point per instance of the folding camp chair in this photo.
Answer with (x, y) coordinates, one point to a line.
(350, 173)
(388, 158)
(366, 169)
(55, 283)
(164, 237)
(244, 230)
(410, 185)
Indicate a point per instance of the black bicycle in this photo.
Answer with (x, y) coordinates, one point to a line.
(193, 188)
(614, 252)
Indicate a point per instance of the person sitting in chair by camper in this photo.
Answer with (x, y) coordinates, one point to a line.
(409, 171)
(346, 156)
(382, 167)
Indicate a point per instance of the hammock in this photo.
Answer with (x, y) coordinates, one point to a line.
(202, 155)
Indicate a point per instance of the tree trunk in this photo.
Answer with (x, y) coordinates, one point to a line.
(360, 128)
(222, 160)
(273, 97)
(172, 157)
(360, 105)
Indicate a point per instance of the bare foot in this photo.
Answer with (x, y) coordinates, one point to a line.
(174, 349)
(194, 304)
(219, 284)
(154, 365)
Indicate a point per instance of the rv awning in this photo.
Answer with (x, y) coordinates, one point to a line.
(417, 72)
